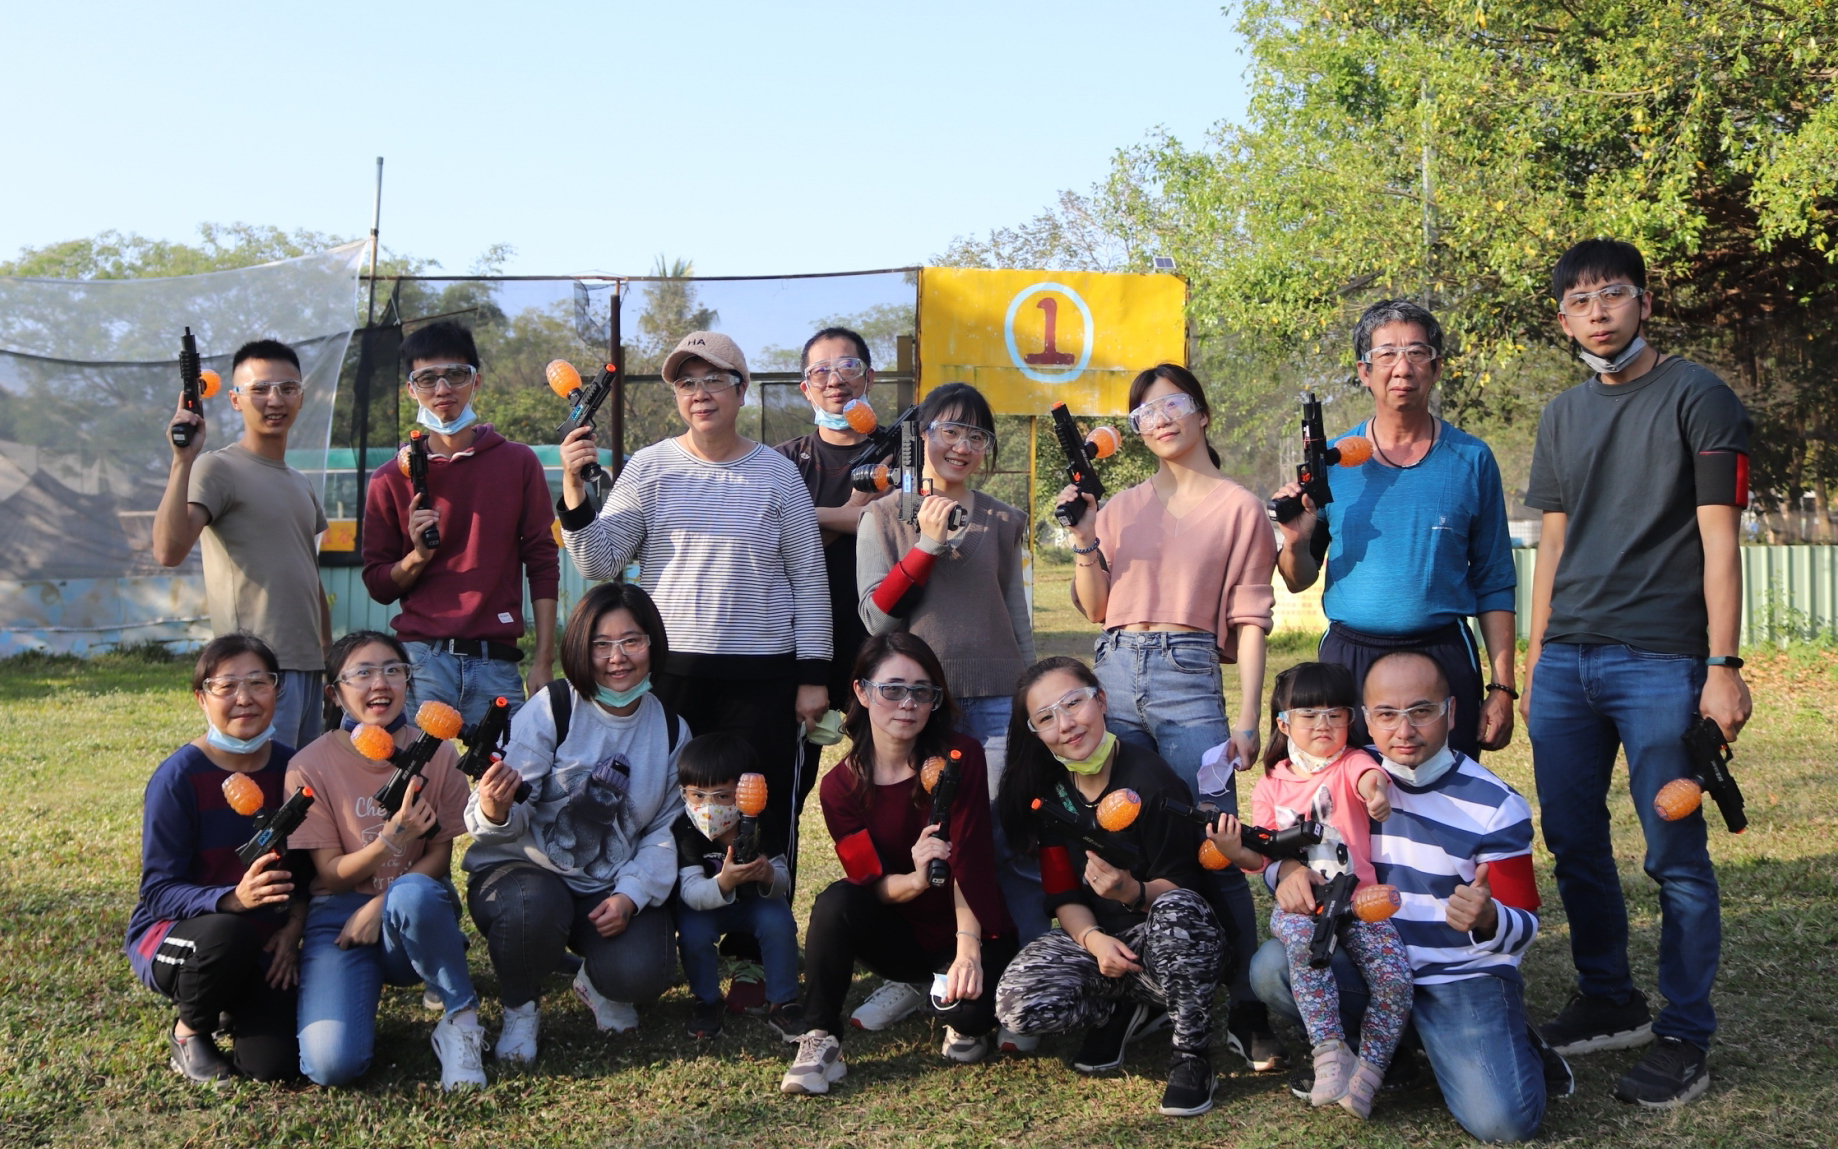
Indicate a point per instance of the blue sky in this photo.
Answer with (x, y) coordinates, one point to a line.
(753, 138)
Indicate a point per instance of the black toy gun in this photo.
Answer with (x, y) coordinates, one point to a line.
(940, 777)
(1100, 840)
(1710, 774)
(1080, 452)
(750, 796)
(906, 474)
(273, 826)
(195, 386)
(414, 464)
(1317, 457)
(438, 722)
(485, 744)
(1333, 903)
(583, 403)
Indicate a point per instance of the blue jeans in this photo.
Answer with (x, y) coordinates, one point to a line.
(768, 919)
(1165, 694)
(299, 708)
(1473, 1030)
(1587, 701)
(467, 684)
(985, 716)
(339, 989)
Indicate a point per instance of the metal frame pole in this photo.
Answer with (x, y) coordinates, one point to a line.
(376, 221)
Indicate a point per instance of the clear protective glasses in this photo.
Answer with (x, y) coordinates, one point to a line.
(258, 685)
(1335, 716)
(1417, 354)
(1612, 297)
(968, 436)
(363, 674)
(1389, 718)
(637, 644)
(922, 693)
(687, 385)
(1159, 412)
(847, 368)
(455, 375)
(1067, 707)
(289, 391)
(696, 796)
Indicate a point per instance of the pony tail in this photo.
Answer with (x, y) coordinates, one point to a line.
(1217, 462)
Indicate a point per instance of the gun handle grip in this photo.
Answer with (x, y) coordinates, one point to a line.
(937, 873)
(430, 537)
(1070, 513)
(523, 792)
(1286, 509)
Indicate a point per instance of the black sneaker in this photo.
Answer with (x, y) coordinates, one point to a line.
(705, 1019)
(1190, 1085)
(1674, 1073)
(1248, 1034)
(197, 1058)
(1404, 1072)
(1103, 1045)
(1559, 1081)
(1592, 1024)
(787, 1020)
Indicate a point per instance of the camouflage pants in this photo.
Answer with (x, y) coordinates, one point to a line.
(1054, 985)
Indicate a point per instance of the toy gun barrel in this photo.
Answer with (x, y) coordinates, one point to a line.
(485, 745)
(1203, 815)
(1312, 471)
(584, 403)
(944, 792)
(190, 379)
(272, 828)
(409, 761)
(1118, 852)
(418, 479)
(1333, 902)
(1291, 843)
(1079, 453)
(880, 444)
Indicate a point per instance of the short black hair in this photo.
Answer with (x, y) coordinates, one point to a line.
(272, 349)
(715, 760)
(961, 403)
(577, 646)
(443, 339)
(1387, 311)
(861, 345)
(223, 648)
(1598, 260)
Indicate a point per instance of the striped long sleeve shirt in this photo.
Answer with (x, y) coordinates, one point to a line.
(729, 551)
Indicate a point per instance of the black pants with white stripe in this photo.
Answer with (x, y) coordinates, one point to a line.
(212, 965)
(1452, 646)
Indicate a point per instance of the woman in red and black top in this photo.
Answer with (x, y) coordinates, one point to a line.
(884, 914)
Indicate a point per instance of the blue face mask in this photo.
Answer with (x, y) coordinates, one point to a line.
(231, 745)
(460, 422)
(348, 723)
(607, 696)
(829, 420)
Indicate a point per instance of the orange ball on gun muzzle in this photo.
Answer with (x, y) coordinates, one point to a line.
(1376, 903)
(243, 794)
(750, 794)
(1354, 450)
(861, 417)
(439, 719)
(1106, 440)
(564, 380)
(1678, 798)
(1117, 810)
(1212, 857)
(209, 383)
(930, 772)
(372, 741)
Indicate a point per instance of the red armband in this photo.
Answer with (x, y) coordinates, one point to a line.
(1513, 883)
(1722, 479)
(1056, 873)
(861, 863)
(910, 572)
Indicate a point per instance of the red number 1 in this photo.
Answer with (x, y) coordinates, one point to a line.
(1050, 355)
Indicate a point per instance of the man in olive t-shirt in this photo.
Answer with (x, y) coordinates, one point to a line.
(259, 520)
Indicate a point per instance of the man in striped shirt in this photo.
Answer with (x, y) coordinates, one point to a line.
(1458, 847)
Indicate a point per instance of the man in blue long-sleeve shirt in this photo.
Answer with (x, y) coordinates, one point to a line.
(1415, 539)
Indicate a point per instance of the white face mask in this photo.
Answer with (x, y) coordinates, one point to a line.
(1425, 773)
(1619, 363)
(712, 820)
(460, 421)
(1310, 763)
(235, 745)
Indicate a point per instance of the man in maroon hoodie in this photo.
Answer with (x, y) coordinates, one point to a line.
(462, 598)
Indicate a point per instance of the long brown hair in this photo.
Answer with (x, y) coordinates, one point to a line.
(1030, 770)
(934, 740)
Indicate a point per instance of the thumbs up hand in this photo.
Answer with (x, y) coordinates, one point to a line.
(1471, 909)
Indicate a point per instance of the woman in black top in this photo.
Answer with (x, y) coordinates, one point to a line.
(1136, 944)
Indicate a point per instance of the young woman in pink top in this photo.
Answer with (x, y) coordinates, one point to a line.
(1177, 570)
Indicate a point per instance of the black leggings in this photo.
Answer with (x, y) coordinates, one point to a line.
(213, 965)
(850, 924)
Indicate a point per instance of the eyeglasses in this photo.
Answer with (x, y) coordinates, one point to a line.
(922, 693)
(973, 439)
(1612, 296)
(687, 385)
(722, 797)
(289, 391)
(1158, 412)
(394, 673)
(847, 368)
(1417, 354)
(454, 375)
(1066, 707)
(258, 685)
(1388, 718)
(637, 644)
(1335, 716)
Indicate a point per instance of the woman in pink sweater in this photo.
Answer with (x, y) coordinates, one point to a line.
(1177, 571)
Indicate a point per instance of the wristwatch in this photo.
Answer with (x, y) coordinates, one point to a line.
(1728, 660)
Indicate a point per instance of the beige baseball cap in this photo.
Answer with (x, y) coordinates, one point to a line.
(711, 347)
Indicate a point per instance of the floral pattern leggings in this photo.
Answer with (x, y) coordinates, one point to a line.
(1379, 952)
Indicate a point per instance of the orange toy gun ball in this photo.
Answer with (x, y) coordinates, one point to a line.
(1211, 856)
(1118, 809)
(861, 417)
(584, 403)
(243, 794)
(1376, 903)
(750, 796)
(940, 777)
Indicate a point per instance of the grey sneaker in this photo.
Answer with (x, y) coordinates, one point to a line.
(817, 1066)
(1593, 1024)
(964, 1050)
(198, 1059)
(1334, 1067)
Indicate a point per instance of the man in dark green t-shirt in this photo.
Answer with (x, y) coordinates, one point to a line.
(1641, 473)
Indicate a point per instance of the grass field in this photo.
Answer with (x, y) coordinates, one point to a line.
(83, 1058)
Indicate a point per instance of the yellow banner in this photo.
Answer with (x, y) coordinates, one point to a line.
(1029, 339)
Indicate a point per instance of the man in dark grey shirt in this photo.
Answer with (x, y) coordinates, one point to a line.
(1641, 473)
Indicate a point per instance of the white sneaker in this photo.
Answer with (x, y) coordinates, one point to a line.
(965, 1050)
(459, 1043)
(611, 1016)
(817, 1066)
(1010, 1042)
(517, 1040)
(886, 1005)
